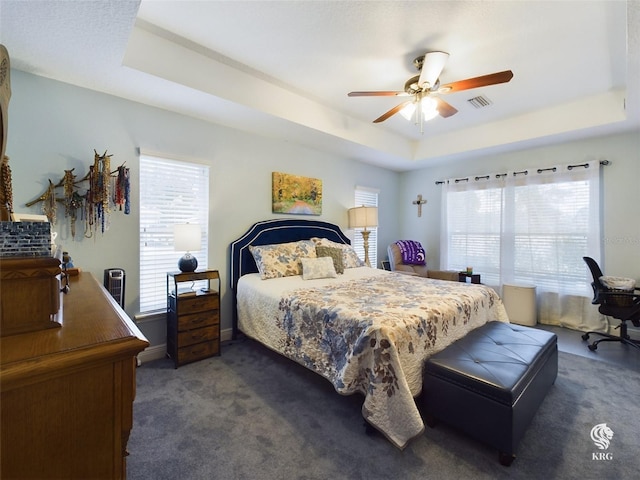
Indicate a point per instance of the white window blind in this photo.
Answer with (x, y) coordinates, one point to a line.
(368, 197)
(171, 192)
(527, 228)
(550, 234)
(474, 220)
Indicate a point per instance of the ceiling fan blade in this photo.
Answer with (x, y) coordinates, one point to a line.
(483, 81)
(377, 94)
(432, 66)
(444, 109)
(392, 112)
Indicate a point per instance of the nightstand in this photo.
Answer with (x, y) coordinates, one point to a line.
(193, 316)
(475, 277)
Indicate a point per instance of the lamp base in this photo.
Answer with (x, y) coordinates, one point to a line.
(365, 238)
(188, 263)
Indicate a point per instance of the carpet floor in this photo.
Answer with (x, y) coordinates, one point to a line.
(252, 414)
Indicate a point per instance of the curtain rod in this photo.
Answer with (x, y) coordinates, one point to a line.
(523, 172)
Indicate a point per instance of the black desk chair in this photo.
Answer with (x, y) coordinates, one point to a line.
(619, 304)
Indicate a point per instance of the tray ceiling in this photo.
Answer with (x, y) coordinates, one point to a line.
(283, 69)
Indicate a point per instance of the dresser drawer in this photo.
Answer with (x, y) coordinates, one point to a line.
(198, 304)
(198, 351)
(197, 320)
(196, 336)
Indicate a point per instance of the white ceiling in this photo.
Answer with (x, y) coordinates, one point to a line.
(283, 68)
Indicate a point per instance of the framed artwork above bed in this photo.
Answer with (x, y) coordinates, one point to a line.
(295, 194)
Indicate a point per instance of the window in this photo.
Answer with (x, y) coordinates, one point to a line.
(369, 198)
(171, 192)
(474, 220)
(531, 228)
(550, 235)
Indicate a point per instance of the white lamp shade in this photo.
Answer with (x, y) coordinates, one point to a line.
(429, 108)
(187, 237)
(407, 112)
(363, 217)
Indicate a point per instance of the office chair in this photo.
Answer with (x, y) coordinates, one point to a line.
(620, 304)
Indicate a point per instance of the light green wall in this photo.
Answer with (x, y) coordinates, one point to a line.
(55, 126)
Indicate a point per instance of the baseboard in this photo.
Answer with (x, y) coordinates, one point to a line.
(156, 352)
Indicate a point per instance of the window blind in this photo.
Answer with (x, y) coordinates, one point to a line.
(525, 228)
(171, 192)
(550, 233)
(474, 222)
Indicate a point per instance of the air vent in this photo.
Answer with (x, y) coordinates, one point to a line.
(479, 101)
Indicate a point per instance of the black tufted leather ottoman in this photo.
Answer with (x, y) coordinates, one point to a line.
(491, 382)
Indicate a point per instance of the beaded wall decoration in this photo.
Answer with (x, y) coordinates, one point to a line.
(104, 192)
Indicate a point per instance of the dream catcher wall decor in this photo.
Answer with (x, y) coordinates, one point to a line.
(105, 191)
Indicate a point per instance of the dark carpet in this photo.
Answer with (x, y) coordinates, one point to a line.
(251, 414)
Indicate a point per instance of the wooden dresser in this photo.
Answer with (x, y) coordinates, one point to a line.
(67, 393)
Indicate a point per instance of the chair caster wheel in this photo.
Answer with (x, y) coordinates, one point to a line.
(593, 347)
(585, 336)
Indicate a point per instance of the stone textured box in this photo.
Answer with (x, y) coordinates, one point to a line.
(25, 239)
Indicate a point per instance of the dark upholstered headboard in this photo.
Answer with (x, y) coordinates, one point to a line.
(269, 232)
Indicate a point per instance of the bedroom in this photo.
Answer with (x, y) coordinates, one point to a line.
(54, 125)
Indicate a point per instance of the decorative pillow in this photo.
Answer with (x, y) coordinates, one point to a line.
(412, 252)
(350, 258)
(282, 259)
(334, 253)
(317, 268)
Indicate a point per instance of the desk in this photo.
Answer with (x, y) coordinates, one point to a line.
(462, 277)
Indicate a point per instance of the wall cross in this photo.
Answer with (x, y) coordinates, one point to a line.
(419, 202)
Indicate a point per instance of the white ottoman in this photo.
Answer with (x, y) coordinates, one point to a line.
(520, 303)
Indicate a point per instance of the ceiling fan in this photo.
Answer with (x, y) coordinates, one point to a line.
(426, 89)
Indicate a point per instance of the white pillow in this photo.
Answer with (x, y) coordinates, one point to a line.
(321, 267)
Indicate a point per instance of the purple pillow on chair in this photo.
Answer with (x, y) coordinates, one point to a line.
(412, 252)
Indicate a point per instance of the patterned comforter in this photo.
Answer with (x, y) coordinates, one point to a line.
(368, 331)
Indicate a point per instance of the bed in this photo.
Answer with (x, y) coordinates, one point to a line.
(365, 330)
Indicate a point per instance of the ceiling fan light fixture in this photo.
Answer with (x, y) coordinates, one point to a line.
(428, 115)
(408, 111)
(429, 108)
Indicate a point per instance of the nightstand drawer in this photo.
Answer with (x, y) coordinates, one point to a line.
(198, 351)
(196, 336)
(197, 320)
(198, 304)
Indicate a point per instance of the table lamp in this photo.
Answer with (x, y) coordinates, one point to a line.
(363, 217)
(187, 238)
